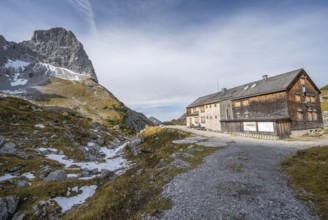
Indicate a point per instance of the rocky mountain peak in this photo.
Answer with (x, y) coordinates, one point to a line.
(59, 47)
(57, 36)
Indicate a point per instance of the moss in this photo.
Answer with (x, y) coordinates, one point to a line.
(137, 192)
(307, 171)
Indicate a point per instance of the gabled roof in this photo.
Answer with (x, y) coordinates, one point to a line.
(273, 84)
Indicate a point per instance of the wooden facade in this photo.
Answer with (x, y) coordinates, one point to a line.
(269, 108)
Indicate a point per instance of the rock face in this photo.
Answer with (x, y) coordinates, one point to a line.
(136, 121)
(54, 52)
(60, 47)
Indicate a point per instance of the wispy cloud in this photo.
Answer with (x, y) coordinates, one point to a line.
(84, 6)
(152, 70)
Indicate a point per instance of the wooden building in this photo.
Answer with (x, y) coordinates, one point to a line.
(271, 107)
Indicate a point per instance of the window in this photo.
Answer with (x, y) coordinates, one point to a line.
(188, 110)
(299, 116)
(313, 99)
(310, 116)
(216, 116)
(196, 119)
(236, 104)
(297, 98)
(195, 110)
(315, 116)
(210, 106)
(202, 108)
(206, 117)
(202, 119)
(211, 117)
(245, 102)
(308, 99)
(214, 105)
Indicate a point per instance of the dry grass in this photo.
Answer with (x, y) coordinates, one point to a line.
(87, 98)
(137, 192)
(307, 171)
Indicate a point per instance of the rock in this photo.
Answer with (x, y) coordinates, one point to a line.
(22, 183)
(93, 151)
(19, 216)
(106, 174)
(61, 152)
(134, 145)
(116, 127)
(57, 175)
(11, 204)
(95, 171)
(8, 207)
(136, 121)
(9, 147)
(14, 169)
(180, 164)
(3, 209)
(2, 140)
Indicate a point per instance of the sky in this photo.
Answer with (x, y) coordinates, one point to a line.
(157, 56)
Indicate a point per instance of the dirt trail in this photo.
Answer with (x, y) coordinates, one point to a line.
(241, 181)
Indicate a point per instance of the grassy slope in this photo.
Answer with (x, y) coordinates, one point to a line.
(137, 192)
(324, 93)
(308, 172)
(87, 97)
(17, 123)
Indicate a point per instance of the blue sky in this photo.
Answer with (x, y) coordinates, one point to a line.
(157, 56)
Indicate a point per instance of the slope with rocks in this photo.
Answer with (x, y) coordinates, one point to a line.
(52, 69)
(324, 104)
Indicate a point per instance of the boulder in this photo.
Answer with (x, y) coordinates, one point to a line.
(105, 174)
(22, 183)
(133, 145)
(8, 207)
(9, 147)
(57, 175)
(2, 140)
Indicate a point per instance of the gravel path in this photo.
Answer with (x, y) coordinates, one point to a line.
(241, 181)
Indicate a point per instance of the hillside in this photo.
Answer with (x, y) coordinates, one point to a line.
(52, 69)
(324, 103)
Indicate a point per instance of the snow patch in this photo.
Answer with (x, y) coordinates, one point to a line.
(13, 92)
(18, 65)
(60, 72)
(16, 81)
(28, 175)
(112, 156)
(67, 203)
(6, 177)
(39, 126)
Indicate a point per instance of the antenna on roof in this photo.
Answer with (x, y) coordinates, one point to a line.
(217, 85)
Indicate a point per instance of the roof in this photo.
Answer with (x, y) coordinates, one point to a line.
(271, 85)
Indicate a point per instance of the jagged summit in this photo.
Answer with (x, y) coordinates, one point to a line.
(53, 52)
(60, 47)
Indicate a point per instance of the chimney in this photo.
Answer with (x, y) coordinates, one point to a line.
(265, 77)
(224, 89)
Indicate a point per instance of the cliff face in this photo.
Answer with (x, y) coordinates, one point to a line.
(53, 69)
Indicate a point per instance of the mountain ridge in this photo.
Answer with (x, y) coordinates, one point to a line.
(53, 69)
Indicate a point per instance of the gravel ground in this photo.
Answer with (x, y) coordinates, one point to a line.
(241, 181)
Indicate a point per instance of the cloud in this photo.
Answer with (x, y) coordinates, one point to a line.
(150, 70)
(85, 8)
